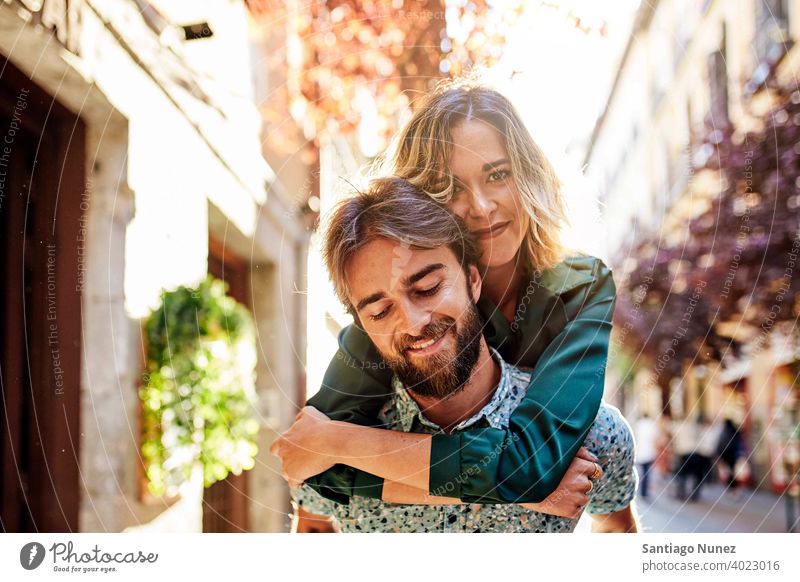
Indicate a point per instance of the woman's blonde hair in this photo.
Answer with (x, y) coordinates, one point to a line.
(424, 146)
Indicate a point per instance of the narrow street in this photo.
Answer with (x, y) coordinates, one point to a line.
(715, 511)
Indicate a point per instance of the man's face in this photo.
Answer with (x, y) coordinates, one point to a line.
(418, 308)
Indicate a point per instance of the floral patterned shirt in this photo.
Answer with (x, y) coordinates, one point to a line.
(610, 440)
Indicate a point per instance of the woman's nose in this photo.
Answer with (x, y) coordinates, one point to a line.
(481, 205)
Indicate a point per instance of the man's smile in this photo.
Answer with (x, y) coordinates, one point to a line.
(427, 346)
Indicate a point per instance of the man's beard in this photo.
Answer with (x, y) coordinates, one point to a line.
(444, 372)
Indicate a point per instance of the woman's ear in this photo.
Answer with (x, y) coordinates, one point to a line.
(475, 282)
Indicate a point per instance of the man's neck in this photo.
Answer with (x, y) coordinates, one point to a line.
(450, 411)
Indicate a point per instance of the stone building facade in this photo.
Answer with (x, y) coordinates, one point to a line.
(157, 176)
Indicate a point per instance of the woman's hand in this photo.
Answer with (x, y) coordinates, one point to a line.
(303, 448)
(572, 494)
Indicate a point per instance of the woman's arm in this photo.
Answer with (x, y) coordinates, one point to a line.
(526, 462)
(568, 500)
(314, 443)
(398, 493)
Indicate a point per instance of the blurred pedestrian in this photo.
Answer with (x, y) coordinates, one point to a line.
(702, 461)
(729, 449)
(684, 442)
(646, 435)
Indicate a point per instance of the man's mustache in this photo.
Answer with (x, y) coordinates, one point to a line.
(433, 330)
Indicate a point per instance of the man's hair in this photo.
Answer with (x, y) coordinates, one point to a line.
(394, 209)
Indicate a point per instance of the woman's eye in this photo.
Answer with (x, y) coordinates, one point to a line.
(499, 175)
(430, 291)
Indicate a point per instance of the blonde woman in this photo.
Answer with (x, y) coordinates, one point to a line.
(467, 147)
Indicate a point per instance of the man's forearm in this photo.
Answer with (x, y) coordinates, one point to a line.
(396, 456)
(394, 492)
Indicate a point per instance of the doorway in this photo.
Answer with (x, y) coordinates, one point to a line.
(42, 179)
(226, 502)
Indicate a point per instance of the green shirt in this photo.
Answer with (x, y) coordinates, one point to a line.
(560, 329)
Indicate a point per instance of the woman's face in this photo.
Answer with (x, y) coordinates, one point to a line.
(485, 195)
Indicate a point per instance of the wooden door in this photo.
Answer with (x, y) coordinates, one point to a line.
(42, 177)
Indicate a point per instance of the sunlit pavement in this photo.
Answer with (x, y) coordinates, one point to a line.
(715, 511)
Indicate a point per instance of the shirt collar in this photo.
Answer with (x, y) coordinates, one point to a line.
(535, 312)
(408, 410)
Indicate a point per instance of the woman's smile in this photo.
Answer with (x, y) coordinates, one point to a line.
(492, 231)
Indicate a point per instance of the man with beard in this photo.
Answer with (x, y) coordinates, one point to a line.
(406, 268)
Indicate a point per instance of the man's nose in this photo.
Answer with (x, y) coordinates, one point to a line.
(414, 319)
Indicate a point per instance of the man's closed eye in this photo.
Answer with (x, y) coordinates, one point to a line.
(430, 291)
(380, 315)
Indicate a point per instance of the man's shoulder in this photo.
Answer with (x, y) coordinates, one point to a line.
(610, 431)
(611, 440)
(515, 375)
(610, 415)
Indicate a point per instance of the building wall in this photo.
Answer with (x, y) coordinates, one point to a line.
(641, 159)
(175, 154)
(663, 88)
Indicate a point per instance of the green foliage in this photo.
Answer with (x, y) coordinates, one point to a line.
(198, 391)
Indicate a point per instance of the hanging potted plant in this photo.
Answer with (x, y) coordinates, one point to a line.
(198, 390)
